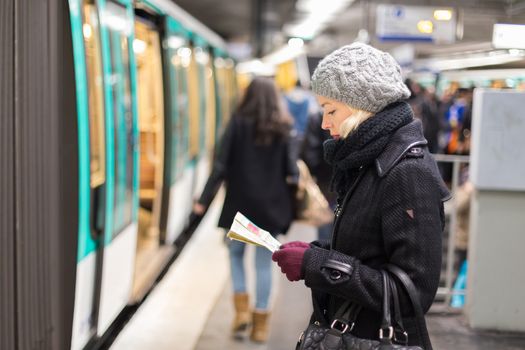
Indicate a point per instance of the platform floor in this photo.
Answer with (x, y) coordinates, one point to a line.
(191, 308)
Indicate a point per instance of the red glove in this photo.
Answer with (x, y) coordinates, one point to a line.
(290, 259)
(295, 244)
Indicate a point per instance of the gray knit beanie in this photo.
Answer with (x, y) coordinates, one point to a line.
(360, 76)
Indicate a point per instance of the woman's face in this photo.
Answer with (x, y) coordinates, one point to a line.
(334, 114)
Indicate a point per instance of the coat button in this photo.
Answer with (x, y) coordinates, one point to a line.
(335, 275)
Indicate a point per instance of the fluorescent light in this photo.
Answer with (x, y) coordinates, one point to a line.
(139, 46)
(442, 15)
(184, 52)
(201, 56)
(315, 6)
(316, 14)
(283, 54)
(116, 19)
(256, 67)
(185, 56)
(174, 42)
(469, 61)
(425, 27)
(86, 29)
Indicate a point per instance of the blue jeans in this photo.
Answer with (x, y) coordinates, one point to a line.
(263, 270)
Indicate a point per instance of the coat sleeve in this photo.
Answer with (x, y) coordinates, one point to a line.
(411, 221)
(220, 165)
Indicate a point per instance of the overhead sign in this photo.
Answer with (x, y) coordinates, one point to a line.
(508, 36)
(416, 23)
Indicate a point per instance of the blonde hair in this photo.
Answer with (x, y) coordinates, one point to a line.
(351, 123)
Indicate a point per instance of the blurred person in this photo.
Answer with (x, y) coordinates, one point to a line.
(435, 122)
(312, 153)
(447, 99)
(301, 104)
(462, 199)
(389, 193)
(254, 161)
(458, 113)
(466, 126)
(425, 111)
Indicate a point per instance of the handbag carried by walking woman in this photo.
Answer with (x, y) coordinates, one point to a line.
(392, 335)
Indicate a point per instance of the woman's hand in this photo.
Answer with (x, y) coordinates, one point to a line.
(290, 260)
(198, 209)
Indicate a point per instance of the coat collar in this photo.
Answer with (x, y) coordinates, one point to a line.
(400, 143)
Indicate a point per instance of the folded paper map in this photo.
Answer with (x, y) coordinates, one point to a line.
(244, 230)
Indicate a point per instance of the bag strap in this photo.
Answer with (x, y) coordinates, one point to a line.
(414, 299)
(344, 318)
(400, 334)
(386, 320)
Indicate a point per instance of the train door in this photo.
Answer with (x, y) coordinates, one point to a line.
(177, 58)
(93, 181)
(121, 226)
(198, 121)
(151, 255)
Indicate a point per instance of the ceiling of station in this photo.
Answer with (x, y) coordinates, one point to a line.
(235, 20)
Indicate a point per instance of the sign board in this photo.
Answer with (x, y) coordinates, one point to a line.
(498, 126)
(416, 23)
(508, 36)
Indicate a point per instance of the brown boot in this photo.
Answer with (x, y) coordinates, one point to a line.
(242, 315)
(261, 327)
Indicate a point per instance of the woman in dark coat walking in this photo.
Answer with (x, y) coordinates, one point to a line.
(254, 160)
(390, 194)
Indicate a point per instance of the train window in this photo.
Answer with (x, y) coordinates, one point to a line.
(231, 86)
(179, 59)
(220, 76)
(91, 32)
(129, 145)
(211, 109)
(195, 107)
(119, 30)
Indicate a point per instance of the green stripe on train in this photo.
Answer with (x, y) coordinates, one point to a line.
(85, 244)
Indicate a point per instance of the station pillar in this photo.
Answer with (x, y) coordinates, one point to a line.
(496, 256)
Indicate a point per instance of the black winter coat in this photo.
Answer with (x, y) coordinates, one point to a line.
(254, 176)
(394, 215)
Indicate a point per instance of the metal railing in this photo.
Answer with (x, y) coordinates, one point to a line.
(456, 161)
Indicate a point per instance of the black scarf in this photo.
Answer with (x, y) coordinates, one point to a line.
(363, 145)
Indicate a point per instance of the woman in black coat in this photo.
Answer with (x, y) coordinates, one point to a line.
(254, 161)
(390, 194)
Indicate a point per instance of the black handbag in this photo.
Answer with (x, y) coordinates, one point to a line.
(392, 335)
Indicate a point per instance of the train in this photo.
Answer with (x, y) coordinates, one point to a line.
(153, 89)
(133, 95)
